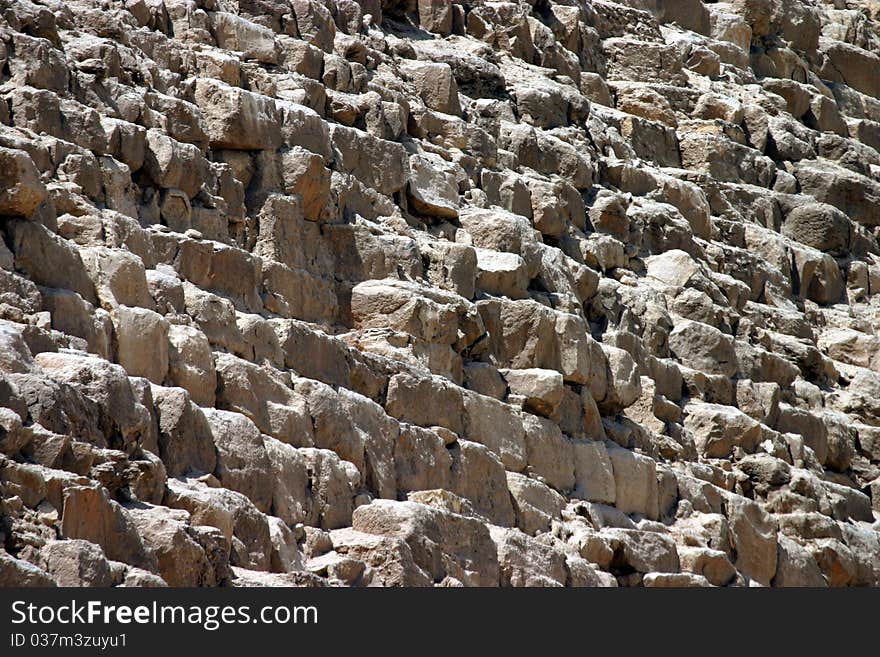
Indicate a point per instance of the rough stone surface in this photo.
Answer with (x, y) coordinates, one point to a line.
(429, 293)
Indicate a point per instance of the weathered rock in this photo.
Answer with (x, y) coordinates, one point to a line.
(242, 462)
(718, 429)
(244, 536)
(623, 384)
(796, 566)
(442, 543)
(186, 444)
(264, 396)
(47, 259)
(377, 163)
(421, 460)
(549, 453)
(523, 561)
(754, 539)
(181, 559)
(433, 188)
(590, 285)
(305, 174)
(503, 274)
(173, 164)
(142, 342)
(23, 191)
(17, 572)
(291, 499)
(703, 347)
(711, 564)
(236, 33)
(542, 390)
(426, 401)
(435, 85)
(594, 474)
(496, 426)
(820, 226)
(334, 483)
(642, 61)
(635, 482)
(643, 552)
(835, 560)
(389, 561)
(89, 514)
(119, 417)
(191, 363)
(478, 475)
(436, 16)
(237, 119)
(314, 22)
(76, 563)
(536, 505)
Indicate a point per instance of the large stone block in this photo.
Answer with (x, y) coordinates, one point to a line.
(91, 515)
(141, 342)
(442, 543)
(23, 191)
(379, 164)
(238, 119)
(635, 482)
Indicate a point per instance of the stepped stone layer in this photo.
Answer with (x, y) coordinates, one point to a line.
(439, 293)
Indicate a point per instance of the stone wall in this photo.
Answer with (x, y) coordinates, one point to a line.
(337, 292)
